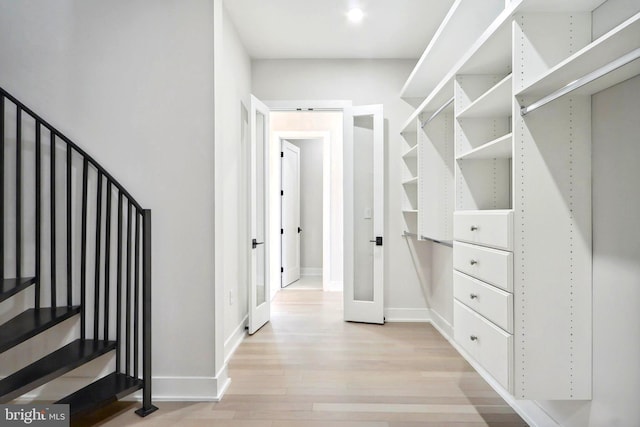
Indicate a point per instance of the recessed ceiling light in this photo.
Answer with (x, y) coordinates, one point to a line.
(355, 15)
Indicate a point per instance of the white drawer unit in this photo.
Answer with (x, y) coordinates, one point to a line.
(489, 345)
(487, 228)
(493, 303)
(489, 265)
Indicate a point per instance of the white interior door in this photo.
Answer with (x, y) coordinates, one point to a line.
(259, 304)
(363, 214)
(290, 197)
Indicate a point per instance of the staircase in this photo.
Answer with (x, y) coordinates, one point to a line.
(74, 247)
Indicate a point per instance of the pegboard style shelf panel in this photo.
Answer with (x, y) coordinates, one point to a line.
(464, 23)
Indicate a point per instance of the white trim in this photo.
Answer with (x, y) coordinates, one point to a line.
(333, 286)
(190, 389)
(331, 105)
(407, 315)
(529, 410)
(311, 271)
(233, 342)
(441, 324)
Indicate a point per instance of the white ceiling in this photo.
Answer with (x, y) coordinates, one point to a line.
(277, 29)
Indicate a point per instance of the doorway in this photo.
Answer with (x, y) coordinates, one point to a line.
(344, 257)
(302, 212)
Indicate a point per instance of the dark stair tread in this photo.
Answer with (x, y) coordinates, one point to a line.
(102, 392)
(32, 322)
(52, 366)
(10, 287)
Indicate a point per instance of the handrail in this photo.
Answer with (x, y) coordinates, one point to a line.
(88, 209)
(437, 112)
(584, 80)
(72, 144)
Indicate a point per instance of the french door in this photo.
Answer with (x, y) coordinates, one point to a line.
(259, 293)
(363, 214)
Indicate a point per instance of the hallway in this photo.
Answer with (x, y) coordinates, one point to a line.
(309, 368)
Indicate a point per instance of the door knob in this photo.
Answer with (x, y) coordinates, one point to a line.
(378, 241)
(255, 243)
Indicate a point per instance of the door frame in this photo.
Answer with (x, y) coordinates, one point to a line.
(278, 137)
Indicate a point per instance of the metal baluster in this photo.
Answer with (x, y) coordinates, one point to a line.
(96, 292)
(53, 220)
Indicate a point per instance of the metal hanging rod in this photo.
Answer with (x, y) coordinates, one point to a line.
(438, 111)
(440, 242)
(407, 234)
(586, 79)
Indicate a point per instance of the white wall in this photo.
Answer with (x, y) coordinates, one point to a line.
(131, 82)
(231, 172)
(363, 82)
(311, 166)
(616, 266)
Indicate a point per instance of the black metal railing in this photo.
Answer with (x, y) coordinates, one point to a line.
(67, 208)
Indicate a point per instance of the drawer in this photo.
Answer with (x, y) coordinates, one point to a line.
(489, 265)
(489, 301)
(487, 228)
(489, 345)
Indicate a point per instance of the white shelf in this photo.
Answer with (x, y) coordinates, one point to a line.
(499, 148)
(464, 23)
(556, 6)
(611, 46)
(410, 181)
(410, 211)
(411, 153)
(491, 53)
(496, 102)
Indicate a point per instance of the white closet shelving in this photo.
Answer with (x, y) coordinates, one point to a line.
(410, 181)
(516, 149)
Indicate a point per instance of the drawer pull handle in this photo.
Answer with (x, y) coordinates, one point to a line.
(473, 338)
(474, 228)
(473, 296)
(473, 262)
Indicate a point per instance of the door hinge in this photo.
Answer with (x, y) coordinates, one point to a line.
(282, 154)
(282, 231)
(281, 269)
(282, 192)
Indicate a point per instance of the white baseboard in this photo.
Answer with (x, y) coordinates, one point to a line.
(333, 286)
(441, 324)
(529, 410)
(189, 389)
(310, 271)
(236, 338)
(407, 315)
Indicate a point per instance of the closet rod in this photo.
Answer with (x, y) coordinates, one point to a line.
(438, 111)
(407, 234)
(586, 79)
(441, 242)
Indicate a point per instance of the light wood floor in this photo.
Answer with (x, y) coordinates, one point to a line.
(309, 368)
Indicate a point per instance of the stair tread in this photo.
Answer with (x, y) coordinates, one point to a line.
(51, 366)
(32, 322)
(101, 392)
(10, 287)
